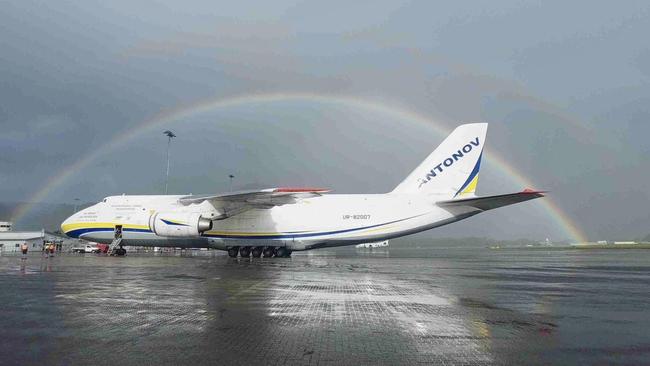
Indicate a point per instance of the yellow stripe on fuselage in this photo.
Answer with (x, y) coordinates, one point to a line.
(93, 225)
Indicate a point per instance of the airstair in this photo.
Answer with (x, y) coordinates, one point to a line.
(115, 248)
(114, 244)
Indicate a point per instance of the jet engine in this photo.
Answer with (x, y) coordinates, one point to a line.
(179, 224)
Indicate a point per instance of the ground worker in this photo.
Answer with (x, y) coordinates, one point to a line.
(23, 248)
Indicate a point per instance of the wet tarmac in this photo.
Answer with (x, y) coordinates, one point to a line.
(388, 307)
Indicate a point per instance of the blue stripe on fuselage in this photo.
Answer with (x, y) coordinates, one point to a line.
(76, 233)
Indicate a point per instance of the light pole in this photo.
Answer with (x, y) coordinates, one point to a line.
(231, 177)
(170, 135)
(76, 204)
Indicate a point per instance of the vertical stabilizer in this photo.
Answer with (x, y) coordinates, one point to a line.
(452, 168)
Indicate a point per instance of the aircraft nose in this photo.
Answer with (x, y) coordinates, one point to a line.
(66, 225)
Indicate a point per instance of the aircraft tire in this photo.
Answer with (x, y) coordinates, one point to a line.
(268, 252)
(245, 252)
(281, 252)
(233, 251)
(257, 252)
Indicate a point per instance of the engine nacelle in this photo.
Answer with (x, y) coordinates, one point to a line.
(179, 224)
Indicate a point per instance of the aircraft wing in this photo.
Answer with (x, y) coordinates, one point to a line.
(490, 202)
(234, 203)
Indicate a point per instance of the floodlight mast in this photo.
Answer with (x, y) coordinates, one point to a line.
(170, 135)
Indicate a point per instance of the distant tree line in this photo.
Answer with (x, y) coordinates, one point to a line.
(469, 242)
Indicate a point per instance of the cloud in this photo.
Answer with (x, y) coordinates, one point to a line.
(226, 35)
(565, 92)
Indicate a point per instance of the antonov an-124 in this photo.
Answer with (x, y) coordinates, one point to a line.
(276, 221)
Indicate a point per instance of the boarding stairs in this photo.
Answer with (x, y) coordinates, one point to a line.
(114, 244)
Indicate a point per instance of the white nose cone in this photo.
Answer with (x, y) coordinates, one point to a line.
(66, 226)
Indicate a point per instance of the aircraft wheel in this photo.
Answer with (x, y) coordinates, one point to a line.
(245, 252)
(257, 252)
(268, 252)
(281, 252)
(233, 251)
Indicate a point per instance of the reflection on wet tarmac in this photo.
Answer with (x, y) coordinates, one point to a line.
(451, 306)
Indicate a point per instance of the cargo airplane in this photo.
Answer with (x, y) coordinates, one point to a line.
(277, 221)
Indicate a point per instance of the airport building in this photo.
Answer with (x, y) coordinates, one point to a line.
(10, 240)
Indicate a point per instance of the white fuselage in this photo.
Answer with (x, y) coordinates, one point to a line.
(324, 221)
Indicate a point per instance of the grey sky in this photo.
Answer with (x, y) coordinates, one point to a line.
(565, 87)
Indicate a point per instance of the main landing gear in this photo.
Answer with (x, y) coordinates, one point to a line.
(257, 252)
(233, 251)
(282, 252)
(245, 252)
(266, 252)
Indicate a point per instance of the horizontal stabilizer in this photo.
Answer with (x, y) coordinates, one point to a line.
(490, 202)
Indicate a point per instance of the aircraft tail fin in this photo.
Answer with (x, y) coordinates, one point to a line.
(452, 168)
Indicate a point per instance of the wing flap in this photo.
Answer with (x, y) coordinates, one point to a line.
(491, 202)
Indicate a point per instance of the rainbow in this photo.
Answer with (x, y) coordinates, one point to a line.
(187, 110)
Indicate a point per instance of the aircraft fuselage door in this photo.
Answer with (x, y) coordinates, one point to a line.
(118, 231)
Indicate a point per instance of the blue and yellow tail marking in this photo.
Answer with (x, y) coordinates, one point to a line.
(470, 184)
